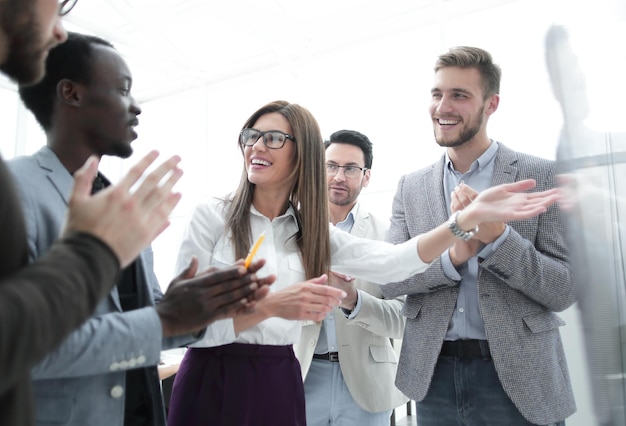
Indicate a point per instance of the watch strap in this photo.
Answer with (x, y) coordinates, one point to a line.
(458, 232)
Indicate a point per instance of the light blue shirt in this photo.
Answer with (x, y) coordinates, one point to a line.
(467, 322)
(327, 341)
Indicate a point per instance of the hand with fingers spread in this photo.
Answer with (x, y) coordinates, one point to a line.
(500, 203)
(192, 301)
(507, 202)
(308, 300)
(126, 221)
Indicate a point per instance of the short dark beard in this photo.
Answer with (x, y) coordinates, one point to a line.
(343, 203)
(465, 136)
(348, 200)
(17, 19)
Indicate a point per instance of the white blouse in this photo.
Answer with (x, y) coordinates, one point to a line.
(205, 237)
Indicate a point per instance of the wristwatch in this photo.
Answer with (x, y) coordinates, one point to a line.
(458, 232)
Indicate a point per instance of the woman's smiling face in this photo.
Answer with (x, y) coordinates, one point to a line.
(269, 168)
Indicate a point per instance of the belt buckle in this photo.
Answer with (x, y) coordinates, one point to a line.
(333, 356)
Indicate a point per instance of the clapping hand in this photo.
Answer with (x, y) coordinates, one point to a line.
(193, 301)
(461, 197)
(507, 202)
(126, 221)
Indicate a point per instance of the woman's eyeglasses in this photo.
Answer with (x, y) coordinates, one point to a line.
(273, 139)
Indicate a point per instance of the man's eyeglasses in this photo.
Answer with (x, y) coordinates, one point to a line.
(351, 172)
(65, 6)
(273, 139)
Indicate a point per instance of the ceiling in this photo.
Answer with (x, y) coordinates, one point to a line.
(176, 45)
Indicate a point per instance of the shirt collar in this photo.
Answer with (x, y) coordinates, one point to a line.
(348, 222)
(290, 212)
(480, 162)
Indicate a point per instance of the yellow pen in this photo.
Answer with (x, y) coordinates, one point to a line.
(254, 249)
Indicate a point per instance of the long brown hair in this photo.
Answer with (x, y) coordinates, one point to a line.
(309, 194)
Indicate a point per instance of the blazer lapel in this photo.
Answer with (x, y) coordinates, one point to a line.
(505, 168)
(361, 223)
(62, 183)
(505, 171)
(57, 174)
(436, 199)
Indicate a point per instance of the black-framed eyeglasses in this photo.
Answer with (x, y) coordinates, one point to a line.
(273, 139)
(351, 172)
(65, 6)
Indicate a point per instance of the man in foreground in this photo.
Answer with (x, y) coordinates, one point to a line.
(481, 343)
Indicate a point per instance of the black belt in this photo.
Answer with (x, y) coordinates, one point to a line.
(328, 356)
(465, 349)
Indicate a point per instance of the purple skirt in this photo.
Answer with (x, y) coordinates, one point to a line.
(238, 385)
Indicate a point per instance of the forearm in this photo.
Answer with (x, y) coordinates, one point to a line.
(375, 261)
(426, 281)
(433, 243)
(102, 340)
(44, 302)
(432, 279)
(244, 322)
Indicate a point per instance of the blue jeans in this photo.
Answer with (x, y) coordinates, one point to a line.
(328, 400)
(467, 392)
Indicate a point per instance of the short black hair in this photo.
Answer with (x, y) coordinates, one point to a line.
(352, 137)
(70, 60)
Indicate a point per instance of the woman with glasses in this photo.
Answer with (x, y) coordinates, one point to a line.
(244, 371)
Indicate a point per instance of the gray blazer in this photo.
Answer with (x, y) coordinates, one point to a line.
(83, 381)
(367, 359)
(521, 287)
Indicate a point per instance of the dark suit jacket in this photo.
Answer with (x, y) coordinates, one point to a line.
(520, 286)
(42, 303)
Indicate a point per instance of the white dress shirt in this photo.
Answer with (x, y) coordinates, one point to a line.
(207, 239)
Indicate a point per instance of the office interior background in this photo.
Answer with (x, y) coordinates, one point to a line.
(201, 67)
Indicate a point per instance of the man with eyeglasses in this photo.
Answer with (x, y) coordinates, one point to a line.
(42, 303)
(350, 369)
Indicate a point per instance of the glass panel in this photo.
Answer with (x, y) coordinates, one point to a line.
(586, 67)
